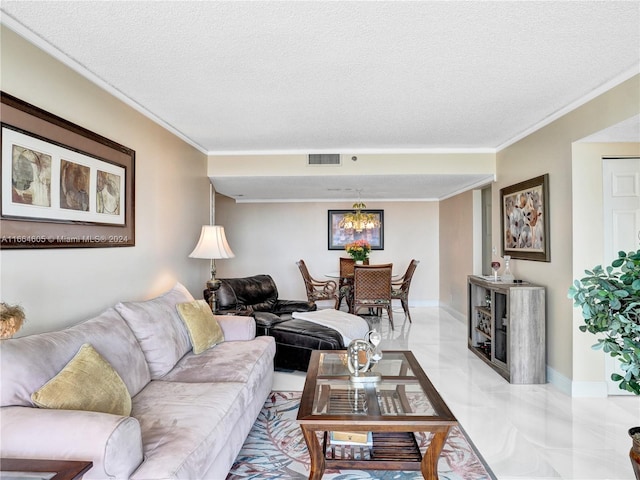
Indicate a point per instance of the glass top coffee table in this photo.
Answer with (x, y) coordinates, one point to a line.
(370, 426)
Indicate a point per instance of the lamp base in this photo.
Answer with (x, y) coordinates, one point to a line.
(213, 285)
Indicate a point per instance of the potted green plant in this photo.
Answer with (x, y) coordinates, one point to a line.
(610, 302)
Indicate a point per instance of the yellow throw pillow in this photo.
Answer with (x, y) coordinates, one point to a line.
(203, 328)
(87, 382)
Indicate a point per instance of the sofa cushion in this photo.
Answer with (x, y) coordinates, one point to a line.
(228, 362)
(160, 331)
(31, 361)
(202, 326)
(185, 426)
(88, 383)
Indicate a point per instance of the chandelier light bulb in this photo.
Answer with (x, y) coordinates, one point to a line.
(357, 220)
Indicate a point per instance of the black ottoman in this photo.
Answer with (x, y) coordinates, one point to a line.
(296, 339)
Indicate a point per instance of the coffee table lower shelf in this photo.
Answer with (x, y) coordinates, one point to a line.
(390, 451)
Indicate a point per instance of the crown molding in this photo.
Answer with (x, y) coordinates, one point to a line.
(353, 151)
(623, 77)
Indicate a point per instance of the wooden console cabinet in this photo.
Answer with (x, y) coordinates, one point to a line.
(506, 328)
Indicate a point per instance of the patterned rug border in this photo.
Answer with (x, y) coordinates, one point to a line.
(274, 449)
(477, 452)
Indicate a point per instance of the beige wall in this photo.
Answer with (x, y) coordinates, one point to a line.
(59, 287)
(549, 150)
(456, 250)
(588, 250)
(367, 164)
(271, 237)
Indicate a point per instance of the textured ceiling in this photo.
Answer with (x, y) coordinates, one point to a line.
(355, 77)
(347, 188)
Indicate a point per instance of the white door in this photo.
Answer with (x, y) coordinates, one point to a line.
(621, 190)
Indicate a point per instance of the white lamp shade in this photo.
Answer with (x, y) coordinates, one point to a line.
(212, 244)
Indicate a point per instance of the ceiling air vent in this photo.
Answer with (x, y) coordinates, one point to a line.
(324, 159)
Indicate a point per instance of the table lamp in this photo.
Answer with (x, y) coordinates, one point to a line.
(212, 245)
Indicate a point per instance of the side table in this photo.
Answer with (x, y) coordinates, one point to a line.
(49, 469)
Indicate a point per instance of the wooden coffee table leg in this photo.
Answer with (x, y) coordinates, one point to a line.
(429, 465)
(315, 453)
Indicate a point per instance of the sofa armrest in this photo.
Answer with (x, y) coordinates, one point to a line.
(290, 306)
(112, 442)
(237, 327)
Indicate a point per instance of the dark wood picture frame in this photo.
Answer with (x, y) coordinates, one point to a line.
(338, 237)
(524, 209)
(30, 231)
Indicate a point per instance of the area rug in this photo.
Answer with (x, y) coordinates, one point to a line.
(275, 449)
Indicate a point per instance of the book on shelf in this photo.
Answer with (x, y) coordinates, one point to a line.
(351, 438)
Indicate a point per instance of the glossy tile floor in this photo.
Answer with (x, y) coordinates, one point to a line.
(524, 432)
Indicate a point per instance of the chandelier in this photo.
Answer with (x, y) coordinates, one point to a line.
(358, 220)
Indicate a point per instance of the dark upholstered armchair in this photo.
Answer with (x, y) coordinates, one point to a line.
(257, 296)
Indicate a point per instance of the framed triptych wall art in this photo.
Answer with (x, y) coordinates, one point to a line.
(62, 185)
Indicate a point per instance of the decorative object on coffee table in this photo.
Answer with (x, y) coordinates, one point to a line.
(374, 338)
(359, 353)
(11, 319)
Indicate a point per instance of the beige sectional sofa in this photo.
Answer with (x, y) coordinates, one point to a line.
(189, 413)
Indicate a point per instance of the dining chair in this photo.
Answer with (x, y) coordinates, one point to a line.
(400, 287)
(318, 289)
(372, 288)
(346, 280)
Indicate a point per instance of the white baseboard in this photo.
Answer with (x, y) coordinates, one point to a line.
(576, 389)
(461, 317)
(424, 303)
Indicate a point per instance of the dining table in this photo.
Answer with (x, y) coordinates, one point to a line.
(336, 274)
